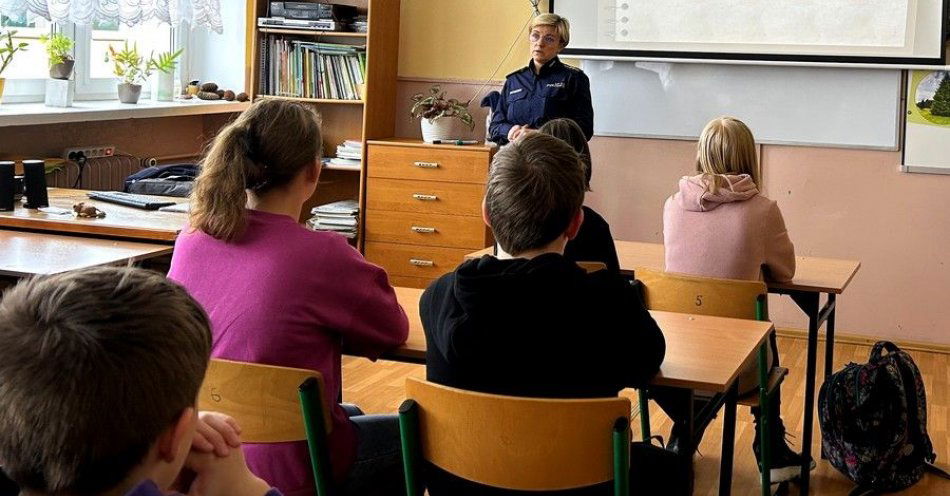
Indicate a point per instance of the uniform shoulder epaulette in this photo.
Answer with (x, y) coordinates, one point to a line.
(512, 73)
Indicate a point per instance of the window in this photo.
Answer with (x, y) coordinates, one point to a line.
(27, 71)
(26, 76)
(94, 71)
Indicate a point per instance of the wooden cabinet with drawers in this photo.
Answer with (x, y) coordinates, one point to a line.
(423, 207)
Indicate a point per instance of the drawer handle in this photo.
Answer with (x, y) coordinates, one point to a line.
(424, 230)
(418, 196)
(421, 263)
(427, 165)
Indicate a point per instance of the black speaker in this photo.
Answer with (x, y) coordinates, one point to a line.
(7, 186)
(34, 179)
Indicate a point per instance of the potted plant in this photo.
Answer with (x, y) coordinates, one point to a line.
(7, 50)
(164, 66)
(438, 115)
(59, 52)
(131, 69)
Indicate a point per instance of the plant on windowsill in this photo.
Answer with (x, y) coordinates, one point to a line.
(132, 70)
(59, 52)
(164, 66)
(438, 114)
(7, 50)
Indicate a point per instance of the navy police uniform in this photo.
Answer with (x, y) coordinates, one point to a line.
(529, 99)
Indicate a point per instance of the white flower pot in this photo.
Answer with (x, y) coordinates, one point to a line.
(444, 128)
(129, 93)
(164, 87)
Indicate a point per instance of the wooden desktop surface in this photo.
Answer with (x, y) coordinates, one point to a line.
(120, 221)
(24, 254)
(704, 353)
(825, 275)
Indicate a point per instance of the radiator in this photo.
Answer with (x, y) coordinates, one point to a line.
(100, 174)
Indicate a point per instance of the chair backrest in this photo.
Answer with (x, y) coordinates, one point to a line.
(682, 293)
(592, 266)
(529, 444)
(263, 399)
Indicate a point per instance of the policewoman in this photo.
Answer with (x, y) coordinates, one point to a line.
(546, 89)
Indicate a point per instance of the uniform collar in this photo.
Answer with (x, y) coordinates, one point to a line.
(547, 67)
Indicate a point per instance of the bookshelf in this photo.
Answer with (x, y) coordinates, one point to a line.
(371, 117)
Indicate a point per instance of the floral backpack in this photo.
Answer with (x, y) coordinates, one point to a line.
(874, 422)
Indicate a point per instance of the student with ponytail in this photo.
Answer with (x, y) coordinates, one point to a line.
(280, 294)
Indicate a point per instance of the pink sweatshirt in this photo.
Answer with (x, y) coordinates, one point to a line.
(284, 295)
(733, 234)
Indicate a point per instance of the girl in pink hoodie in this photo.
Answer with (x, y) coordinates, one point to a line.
(719, 225)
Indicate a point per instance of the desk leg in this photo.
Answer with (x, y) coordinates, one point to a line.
(830, 335)
(728, 442)
(829, 344)
(809, 303)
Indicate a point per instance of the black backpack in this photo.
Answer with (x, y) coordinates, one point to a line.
(165, 180)
(874, 422)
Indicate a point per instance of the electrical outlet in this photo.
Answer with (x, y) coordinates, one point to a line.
(90, 152)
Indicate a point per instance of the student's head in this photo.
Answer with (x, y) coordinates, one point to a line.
(534, 194)
(570, 132)
(726, 146)
(273, 147)
(548, 35)
(99, 373)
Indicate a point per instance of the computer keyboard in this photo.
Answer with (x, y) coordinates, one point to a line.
(128, 199)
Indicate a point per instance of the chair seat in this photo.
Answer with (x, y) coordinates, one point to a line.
(775, 380)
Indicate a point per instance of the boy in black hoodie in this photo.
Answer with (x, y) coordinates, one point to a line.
(530, 322)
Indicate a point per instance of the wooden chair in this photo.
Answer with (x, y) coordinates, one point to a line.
(273, 405)
(732, 298)
(591, 267)
(526, 444)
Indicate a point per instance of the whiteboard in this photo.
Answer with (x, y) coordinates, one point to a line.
(855, 108)
(898, 33)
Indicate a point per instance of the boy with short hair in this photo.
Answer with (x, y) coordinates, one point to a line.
(99, 374)
(530, 322)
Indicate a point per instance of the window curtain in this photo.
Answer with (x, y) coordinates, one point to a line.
(206, 13)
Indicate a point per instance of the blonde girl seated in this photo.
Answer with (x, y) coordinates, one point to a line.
(719, 225)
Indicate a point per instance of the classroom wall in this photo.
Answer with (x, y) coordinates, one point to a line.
(461, 39)
(837, 203)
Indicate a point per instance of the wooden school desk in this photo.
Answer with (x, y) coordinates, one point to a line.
(120, 221)
(813, 277)
(702, 353)
(24, 254)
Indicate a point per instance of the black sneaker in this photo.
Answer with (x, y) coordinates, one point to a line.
(786, 465)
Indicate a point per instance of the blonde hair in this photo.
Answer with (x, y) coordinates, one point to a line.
(726, 146)
(560, 23)
(264, 148)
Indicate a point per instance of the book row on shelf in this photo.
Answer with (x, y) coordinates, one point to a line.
(303, 69)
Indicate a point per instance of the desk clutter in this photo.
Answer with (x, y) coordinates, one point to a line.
(340, 217)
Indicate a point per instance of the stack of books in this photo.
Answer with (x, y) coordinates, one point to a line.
(341, 217)
(359, 24)
(349, 156)
(303, 69)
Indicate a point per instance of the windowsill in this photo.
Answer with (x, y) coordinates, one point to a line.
(29, 114)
